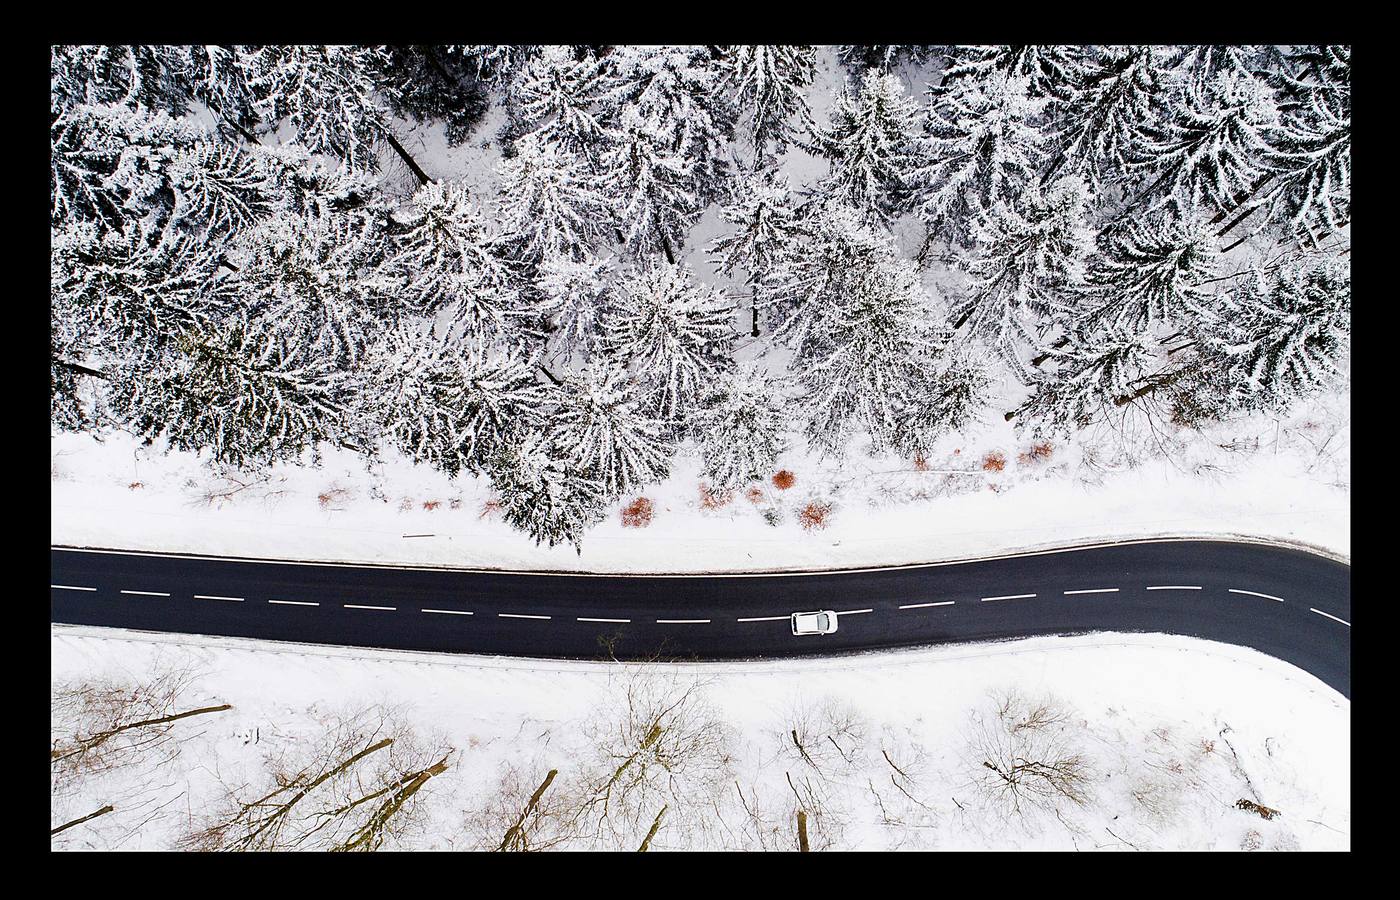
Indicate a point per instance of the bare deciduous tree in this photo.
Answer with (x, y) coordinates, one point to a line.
(355, 786)
(528, 809)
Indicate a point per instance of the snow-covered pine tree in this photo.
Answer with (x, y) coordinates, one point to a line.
(323, 278)
(1151, 273)
(676, 336)
(859, 57)
(220, 189)
(1028, 260)
(765, 215)
(549, 202)
(1285, 333)
(856, 315)
(603, 417)
(982, 145)
(943, 397)
(130, 291)
(868, 143)
(327, 93)
(677, 97)
(309, 185)
(1207, 145)
(430, 84)
(740, 428)
(1049, 70)
(653, 189)
(545, 496)
(245, 390)
(572, 296)
(132, 75)
(1090, 373)
(1098, 125)
(451, 260)
(769, 85)
(494, 62)
(556, 95)
(1310, 149)
(452, 407)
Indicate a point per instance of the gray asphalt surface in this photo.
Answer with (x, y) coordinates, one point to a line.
(1289, 604)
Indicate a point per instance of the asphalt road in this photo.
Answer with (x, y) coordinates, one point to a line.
(1289, 604)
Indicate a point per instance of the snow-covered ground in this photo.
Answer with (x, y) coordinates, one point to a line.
(1175, 731)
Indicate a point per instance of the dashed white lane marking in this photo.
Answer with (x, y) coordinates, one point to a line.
(1174, 587)
(586, 619)
(520, 616)
(852, 612)
(765, 619)
(1094, 591)
(1009, 597)
(70, 587)
(1330, 616)
(447, 612)
(294, 603)
(922, 605)
(359, 606)
(148, 593)
(682, 621)
(1257, 594)
(212, 597)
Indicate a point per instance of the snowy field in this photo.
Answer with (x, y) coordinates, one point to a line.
(1173, 732)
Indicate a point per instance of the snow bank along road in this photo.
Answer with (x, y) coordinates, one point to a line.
(1287, 603)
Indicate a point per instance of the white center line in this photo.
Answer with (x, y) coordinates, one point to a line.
(519, 616)
(1175, 587)
(70, 587)
(852, 612)
(1094, 591)
(1009, 597)
(682, 621)
(448, 612)
(765, 619)
(1330, 616)
(922, 605)
(294, 602)
(148, 593)
(586, 619)
(212, 597)
(359, 606)
(1257, 594)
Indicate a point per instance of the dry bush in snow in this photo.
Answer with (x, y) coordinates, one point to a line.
(1027, 754)
(783, 479)
(814, 516)
(637, 514)
(358, 784)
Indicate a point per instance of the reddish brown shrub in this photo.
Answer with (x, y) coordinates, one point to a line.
(490, 509)
(814, 515)
(713, 499)
(994, 461)
(1042, 449)
(637, 514)
(784, 479)
(920, 464)
(431, 505)
(135, 485)
(754, 495)
(332, 495)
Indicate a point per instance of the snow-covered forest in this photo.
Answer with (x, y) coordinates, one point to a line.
(1140, 239)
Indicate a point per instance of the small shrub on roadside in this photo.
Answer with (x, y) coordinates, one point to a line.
(454, 503)
(431, 505)
(637, 514)
(135, 485)
(920, 463)
(331, 496)
(772, 516)
(784, 479)
(994, 461)
(714, 499)
(814, 516)
(406, 504)
(490, 509)
(754, 495)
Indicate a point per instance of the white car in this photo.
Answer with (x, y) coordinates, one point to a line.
(820, 622)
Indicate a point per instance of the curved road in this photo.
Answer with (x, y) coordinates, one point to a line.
(1287, 603)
